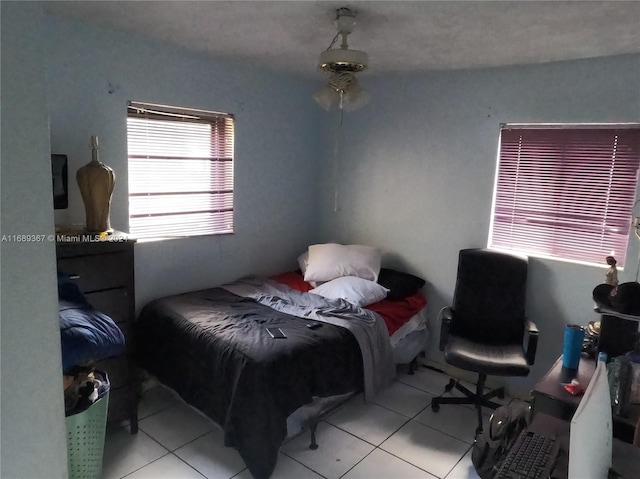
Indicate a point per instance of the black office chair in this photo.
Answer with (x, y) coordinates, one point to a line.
(483, 331)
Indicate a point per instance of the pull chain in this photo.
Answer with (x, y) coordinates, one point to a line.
(336, 154)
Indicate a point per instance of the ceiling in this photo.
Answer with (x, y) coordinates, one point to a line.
(399, 36)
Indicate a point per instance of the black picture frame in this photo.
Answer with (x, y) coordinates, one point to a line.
(60, 181)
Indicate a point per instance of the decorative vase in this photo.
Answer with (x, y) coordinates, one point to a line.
(96, 181)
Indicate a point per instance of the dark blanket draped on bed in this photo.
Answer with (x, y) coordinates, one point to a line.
(212, 347)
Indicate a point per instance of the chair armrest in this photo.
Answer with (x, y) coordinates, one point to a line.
(532, 343)
(446, 318)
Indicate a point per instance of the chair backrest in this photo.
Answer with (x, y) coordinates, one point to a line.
(490, 295)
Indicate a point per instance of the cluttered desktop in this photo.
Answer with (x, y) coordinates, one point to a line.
(585, 413)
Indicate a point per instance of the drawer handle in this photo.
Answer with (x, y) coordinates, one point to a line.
(74, 276)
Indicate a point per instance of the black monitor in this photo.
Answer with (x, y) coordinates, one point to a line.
(617, 335)
(60, 181)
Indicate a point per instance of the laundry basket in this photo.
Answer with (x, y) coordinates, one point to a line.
(85, 440)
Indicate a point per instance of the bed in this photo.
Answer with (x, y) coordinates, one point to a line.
(213, 348)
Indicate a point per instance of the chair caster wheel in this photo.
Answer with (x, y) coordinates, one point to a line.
(435, 407)
(478, 431)
(449, 386)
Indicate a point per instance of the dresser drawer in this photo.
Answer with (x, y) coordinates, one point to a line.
(97, 272)
(116, 303)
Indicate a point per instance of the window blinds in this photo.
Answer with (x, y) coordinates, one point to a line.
(180, 171)
(566, 193)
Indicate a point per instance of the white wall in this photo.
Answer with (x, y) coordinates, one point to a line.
(420, 163)
(32, 408)
(416, 180)
(92, 73)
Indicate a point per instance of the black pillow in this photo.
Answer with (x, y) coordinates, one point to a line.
(400, 285)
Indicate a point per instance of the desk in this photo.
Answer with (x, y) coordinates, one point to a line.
(625, 457)
(549, 397)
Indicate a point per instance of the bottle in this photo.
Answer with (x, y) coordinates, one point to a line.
(96, 181)
(619, 375)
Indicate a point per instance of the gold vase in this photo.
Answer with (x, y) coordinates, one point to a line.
(96, 181)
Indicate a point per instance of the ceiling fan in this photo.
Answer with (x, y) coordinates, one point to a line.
(343, 89)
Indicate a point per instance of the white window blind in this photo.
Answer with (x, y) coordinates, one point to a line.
(566, 192)
(180, 171)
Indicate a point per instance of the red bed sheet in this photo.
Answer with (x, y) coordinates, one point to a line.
(394, 313)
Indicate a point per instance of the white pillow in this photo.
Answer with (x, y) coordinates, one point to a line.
(303, 260)
(302, 264)
(358, 291)
(331, 260)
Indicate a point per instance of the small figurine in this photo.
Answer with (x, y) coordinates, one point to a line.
(611, 276)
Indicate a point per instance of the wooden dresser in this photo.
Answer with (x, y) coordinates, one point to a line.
(104, 270)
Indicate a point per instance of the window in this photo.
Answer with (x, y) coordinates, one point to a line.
(180, 171)
(565, 193)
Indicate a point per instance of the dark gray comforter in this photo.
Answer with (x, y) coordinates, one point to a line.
(212, 347)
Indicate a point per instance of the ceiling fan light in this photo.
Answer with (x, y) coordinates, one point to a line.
(342, 64)
(326, 97)
(352, 100)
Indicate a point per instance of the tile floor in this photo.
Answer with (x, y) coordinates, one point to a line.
(395, 437)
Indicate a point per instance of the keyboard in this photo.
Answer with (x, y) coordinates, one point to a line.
(531, 457)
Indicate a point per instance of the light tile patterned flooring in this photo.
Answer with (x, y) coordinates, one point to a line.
(397, 436)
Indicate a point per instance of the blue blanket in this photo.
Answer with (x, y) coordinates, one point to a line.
(86, 334)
